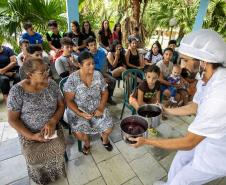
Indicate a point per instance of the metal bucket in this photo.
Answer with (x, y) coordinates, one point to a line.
(152, 113)
(133, 126)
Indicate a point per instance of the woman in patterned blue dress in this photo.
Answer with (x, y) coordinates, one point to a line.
(86, 96)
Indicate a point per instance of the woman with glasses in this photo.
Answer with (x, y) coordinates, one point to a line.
(35, 106)
(87, 30)
(86, 96)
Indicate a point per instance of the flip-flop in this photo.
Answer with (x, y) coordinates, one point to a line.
(86, 150)
(108, 146)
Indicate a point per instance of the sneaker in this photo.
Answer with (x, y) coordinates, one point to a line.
(111, 102)
(172, 99)
(159, 183)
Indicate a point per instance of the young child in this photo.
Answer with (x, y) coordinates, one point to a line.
(175, 79)
(148, 91)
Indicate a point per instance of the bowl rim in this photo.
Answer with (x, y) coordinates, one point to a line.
(134, 116)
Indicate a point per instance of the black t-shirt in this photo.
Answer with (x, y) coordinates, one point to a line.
(87, 35)
(5, 56)
(134, 59)
(104, 38)
(121, 60)
(148, 93)
(76, 39)
(54, 38)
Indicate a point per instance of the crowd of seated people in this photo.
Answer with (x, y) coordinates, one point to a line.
(92, 72)
(111, 59)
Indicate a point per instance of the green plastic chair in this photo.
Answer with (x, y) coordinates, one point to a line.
(61, 86)
(129, 78)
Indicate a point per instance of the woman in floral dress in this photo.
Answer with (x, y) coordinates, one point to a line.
(86, 96)
(35, 107)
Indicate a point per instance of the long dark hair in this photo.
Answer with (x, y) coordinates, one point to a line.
(120, 32)
(159, 46)
(77, 26)
(122, 53)
(83, 29)
(108, 30)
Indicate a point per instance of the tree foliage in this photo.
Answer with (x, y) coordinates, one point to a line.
(148, 15)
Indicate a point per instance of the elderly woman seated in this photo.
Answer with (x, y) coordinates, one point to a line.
(35, 106)
(86, 96)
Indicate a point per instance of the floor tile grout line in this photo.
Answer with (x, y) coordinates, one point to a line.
(11, 157)
(99, 170)
(131, 179)
(2, 132)
(136, 175)
(18, 180)
(94, 180)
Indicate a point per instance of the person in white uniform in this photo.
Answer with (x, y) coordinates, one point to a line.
(202, 151)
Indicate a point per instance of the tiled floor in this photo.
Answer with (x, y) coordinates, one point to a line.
(123, 166)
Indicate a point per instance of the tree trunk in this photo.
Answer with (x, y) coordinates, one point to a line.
(180, 34)
(136, 11)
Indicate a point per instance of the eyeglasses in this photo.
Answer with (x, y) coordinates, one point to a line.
(46, 72)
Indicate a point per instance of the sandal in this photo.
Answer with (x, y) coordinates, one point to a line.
(86, 150)
(107, 146)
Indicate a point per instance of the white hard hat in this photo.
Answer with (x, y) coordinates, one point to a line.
(205, 45)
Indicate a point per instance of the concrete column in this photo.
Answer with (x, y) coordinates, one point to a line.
(201, 14)
(72, 12)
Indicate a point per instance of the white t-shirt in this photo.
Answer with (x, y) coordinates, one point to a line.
(166, 70)
(153, 58)
(210, 122)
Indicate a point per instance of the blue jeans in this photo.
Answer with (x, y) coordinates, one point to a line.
(172, 89)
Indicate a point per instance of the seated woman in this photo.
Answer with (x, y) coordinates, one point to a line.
(148, 90)
(35, 106)
(117, 59)
(133, 58)
(86, 96)
(105, 36)
(87, 30)
(7, 70)
(117, 33)
(154, 55)
(76, 36)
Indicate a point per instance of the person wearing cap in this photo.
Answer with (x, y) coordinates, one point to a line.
(24, 43)
(202, 153)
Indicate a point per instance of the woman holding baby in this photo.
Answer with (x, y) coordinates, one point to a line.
(35, 107)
